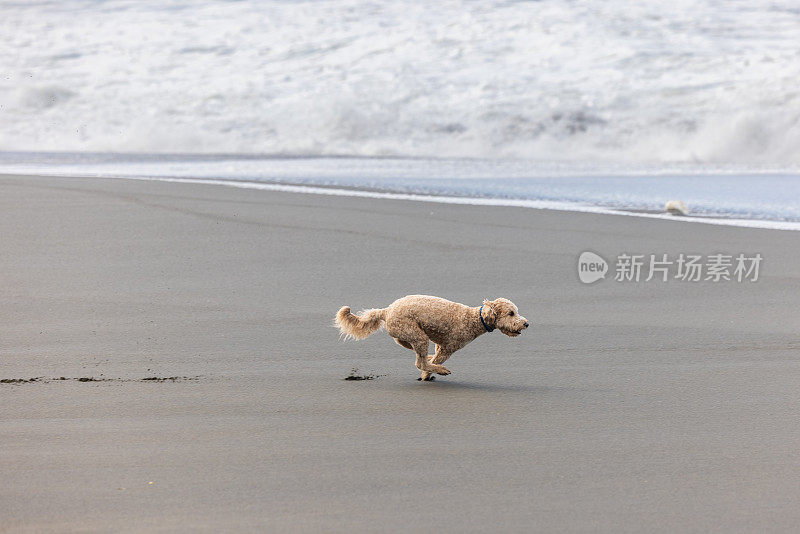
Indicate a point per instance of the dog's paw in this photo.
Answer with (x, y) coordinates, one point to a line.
(442, 370)
(427, 375)
(430, 378)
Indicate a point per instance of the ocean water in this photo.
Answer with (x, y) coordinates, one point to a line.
(570, 104)
(698, 81)
(718, 195)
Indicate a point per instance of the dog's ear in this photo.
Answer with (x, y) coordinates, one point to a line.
(489, 314)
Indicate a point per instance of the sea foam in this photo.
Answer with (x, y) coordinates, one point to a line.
(700, 81)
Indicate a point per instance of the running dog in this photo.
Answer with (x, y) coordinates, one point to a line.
(415, 320)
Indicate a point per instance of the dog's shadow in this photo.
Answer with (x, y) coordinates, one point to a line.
(441, 385)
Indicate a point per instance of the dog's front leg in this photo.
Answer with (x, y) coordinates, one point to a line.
(440, 356)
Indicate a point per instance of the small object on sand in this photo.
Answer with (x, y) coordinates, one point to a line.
(676, 207)
(355, 376)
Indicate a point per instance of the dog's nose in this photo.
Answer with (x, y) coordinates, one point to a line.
(526, 325)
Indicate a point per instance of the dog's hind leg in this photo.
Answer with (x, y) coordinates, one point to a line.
(408, 334)
(423, 365)
(402, 343)
(426, 375)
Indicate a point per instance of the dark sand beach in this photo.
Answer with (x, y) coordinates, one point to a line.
(625, 407)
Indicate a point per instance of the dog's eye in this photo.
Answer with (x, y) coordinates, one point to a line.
(511, 314)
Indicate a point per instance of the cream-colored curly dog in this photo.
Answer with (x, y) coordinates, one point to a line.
(415, 320)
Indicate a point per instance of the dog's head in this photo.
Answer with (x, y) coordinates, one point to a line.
(504, 315)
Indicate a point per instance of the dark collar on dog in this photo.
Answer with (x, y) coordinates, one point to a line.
(486, 326)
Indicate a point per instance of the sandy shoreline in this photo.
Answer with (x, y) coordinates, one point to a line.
(657, 406)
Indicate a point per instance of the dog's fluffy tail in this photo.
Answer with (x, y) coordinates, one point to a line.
(359, 326)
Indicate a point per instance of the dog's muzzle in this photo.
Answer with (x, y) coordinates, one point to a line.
(515, 333)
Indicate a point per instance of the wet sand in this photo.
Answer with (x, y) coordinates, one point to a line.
(624, 408)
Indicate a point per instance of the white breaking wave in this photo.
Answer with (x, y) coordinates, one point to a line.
(689, 81)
